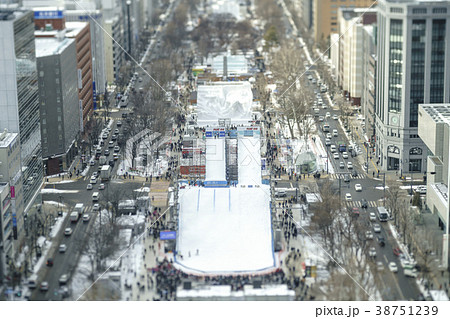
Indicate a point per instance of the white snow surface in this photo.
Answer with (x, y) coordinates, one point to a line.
(215, 160)
(230, 228)
(249, 157)
(57, 191)
(224, 100)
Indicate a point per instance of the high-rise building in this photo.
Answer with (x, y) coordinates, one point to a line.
(412, 69)
(19, 100)
(306, 13)
(11, 204)
(114, 48)
(325, 15)
(60, 120)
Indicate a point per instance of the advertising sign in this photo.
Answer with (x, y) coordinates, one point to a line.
(166, 235)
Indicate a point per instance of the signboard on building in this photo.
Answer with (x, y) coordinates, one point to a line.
(94, 95)
(80, 104)
(166, 235)
(12, 191)
(80, 79)
(49, 14)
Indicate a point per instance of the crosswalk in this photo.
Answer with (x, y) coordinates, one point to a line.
(341, 176)
(113, 177)
(357, 203)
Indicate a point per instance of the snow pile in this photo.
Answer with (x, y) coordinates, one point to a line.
(224, 100)
(57, 226)
(229, 227)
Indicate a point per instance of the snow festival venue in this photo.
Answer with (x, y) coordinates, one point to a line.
(225, 221)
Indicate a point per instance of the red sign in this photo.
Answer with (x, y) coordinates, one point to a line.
(12, 190)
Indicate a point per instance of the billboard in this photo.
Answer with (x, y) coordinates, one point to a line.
(166, 235)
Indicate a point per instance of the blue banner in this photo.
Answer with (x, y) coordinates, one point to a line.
(54, 14)
(208, 134)
(166, 235)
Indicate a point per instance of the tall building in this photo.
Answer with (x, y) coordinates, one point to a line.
(19, 100)
(114, 48)
(369, 63)
(351, 50)
(306, 13)
(11, 217)
(80, 31)
(325, 15)
(95, 19)
(58, 90)
(434, 130)
(413, 68)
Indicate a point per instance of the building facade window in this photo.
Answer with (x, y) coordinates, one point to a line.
(415, 151)
(415, 164)
(417, 76)
(437, 61)
(395, 65)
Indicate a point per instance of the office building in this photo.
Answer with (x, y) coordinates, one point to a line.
(412, 68)
(58, 90)
(19, 100)
(325, 16)
(434, 130)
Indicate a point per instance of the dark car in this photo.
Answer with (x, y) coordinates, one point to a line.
(381, 241)
(347, 178)
(354, 173)
(50, 262)
(111, 162)
(364, 203)
(355, 212)
(124, 115)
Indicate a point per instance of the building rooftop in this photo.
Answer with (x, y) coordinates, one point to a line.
(3, 186)
(74, 27)
(51, 46)
(7, 138)
(11, 13)
(440, 113)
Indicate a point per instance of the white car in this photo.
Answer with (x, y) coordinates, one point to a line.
(372, 217)
(62, 248)
(116, 149)
(358, 187)
(335, 117)
(327, 142)
(348, 197)
(44, 286)
(377, 228)
(68, 231)
(96, 207)
(92, 162)
(350, 165)
(369, 235)
(380, 266)
(335, 133)
(89, 187)
(101, 186)
(320, 118)
(336, 155)
(327, 115)
(329, 135)
(111, 144)
(341, 165)
(344, 155)
(372, 252)
(393, 266)
(63, 279)
(86, 218)
(93, 180)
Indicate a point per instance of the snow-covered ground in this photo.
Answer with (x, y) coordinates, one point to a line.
(61, 182)
(249, 167)
(57, 191)
(230, 228)
(215, 160)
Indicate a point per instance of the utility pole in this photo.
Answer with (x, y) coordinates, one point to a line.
(384, 189)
